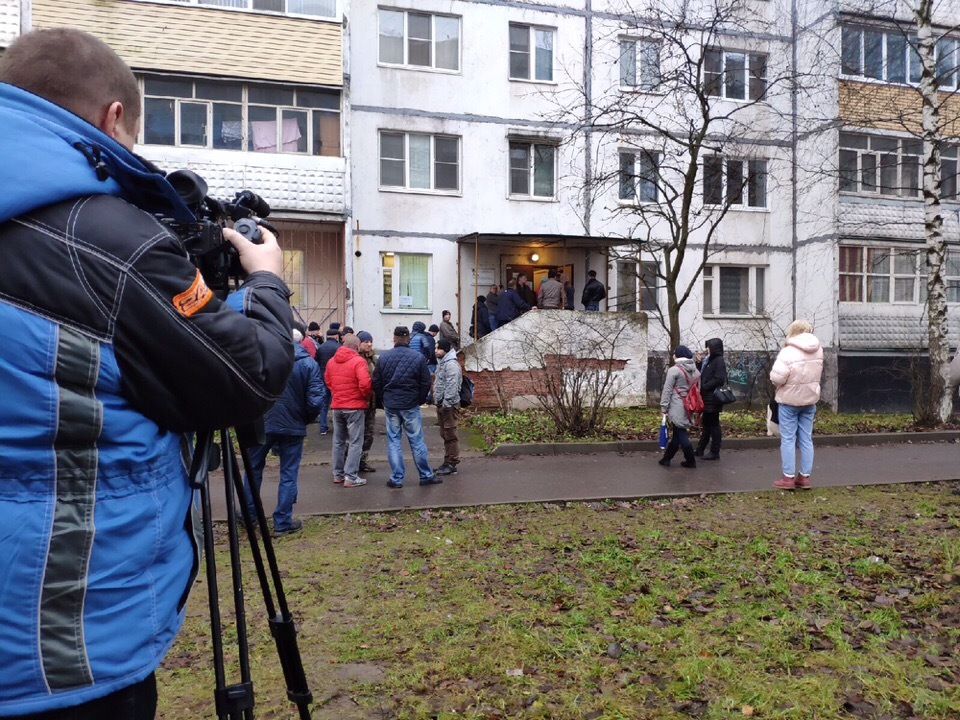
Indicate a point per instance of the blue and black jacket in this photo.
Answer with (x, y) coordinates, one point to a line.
(111, 347)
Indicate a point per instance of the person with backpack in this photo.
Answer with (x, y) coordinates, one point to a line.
(679, 401)
(446, 394)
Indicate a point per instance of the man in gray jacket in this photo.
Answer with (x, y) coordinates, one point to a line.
(446, 393)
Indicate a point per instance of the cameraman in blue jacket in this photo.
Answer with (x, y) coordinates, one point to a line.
(112, 347)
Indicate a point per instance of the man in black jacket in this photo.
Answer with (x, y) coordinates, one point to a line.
(593, 292)
(401, 382)
(325, 351)
(511, 305)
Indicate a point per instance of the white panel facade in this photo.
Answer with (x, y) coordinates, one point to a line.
(9, 21)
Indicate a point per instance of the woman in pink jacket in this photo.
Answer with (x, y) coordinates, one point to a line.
(796, 375)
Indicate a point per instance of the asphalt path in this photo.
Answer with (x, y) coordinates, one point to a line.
(483, 480)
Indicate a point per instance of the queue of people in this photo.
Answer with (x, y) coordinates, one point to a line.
(795, 374)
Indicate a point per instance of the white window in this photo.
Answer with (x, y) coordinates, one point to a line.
(532, 169)
(734, 75)
(406, 281)
(888, 165)
(640, 176)
(419, 162)
(416, 39)
(734, 182)
(891, 275)
(891, 55)
(639, 64)
(222, 115)
(731, 290)
(531, 53)
(313, 8)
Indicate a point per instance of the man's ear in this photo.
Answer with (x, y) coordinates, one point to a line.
(113, 123)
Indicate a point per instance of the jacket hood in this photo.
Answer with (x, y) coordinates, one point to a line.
(299, 352)
(687, 364)
(807, 342)
(344, 354)
(49, 155)
(451, 356)
(716, 347)
(419, 327)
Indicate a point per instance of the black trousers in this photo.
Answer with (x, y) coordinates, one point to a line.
(137, 702)
(710, 432)
(679, 440)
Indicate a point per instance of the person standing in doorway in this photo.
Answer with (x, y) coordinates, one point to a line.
(593, 292)
(796, 375)
(446, 394)
(526, 292)
(550, 295)
(511, 306)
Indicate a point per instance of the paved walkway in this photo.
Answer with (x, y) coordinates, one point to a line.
(485, 480)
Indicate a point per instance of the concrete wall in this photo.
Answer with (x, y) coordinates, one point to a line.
(512, 362)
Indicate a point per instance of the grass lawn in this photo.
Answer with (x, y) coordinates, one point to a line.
(532, 426)
(836, 603)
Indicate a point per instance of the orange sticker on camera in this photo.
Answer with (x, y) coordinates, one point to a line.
(192, 300)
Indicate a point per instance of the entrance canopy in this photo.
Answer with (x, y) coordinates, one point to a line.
(540, 240)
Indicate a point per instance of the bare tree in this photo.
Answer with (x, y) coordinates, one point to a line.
(678, 137)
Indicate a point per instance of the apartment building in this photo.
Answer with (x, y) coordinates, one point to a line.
(248, 94)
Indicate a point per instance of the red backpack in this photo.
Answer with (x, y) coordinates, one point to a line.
(693, 400)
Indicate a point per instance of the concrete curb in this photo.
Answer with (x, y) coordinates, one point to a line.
(625, 446)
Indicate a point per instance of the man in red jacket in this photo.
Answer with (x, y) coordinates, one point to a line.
(348, 382)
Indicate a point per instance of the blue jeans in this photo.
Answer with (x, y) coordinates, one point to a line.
(290, 448)
(493, 323)
(324, 409)
(409, 422)
(594, 307)
(347, 443)
(796, 430)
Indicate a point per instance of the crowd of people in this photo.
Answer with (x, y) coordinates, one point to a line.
(795, 374)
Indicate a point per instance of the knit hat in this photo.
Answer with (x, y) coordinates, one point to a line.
(683, 351)
(444, 344)
(364, 336)
(313, 326)
(347, 330)
(419, 326)
(401, 331)
(334, 329)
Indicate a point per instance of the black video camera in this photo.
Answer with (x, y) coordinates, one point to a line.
(215, 257)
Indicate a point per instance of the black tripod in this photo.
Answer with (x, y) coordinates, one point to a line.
(236, 701)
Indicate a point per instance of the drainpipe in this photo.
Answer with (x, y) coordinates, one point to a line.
(794, 201)
(588, 115)
(26, 16)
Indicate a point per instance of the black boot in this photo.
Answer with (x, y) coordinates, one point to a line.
(710, 456)
(691, 463)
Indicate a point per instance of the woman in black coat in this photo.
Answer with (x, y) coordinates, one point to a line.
(713, 376)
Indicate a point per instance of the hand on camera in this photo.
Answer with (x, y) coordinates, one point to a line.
(266, 255)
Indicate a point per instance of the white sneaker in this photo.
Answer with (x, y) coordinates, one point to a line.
(356, 482)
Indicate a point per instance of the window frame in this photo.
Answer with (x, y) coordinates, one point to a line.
(726, 195)
(531, 52)
(717, 80)
(645, 78)
(531, 169)
(639, 187)
(946, 45)
(858, 284)
(395, 273)
(406, 160)
(406, 40)
(248, 7)
(862, 155)
(756, 300)
(245, 105)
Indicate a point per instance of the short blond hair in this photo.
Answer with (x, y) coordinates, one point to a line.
(799, 326)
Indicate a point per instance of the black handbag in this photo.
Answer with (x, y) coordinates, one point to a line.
(724, 396)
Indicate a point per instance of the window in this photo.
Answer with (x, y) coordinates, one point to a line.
(640, 176)
(314, 8)
(892, 275)
(238, 116)
(734, 183)
(887, 165)
(734, 290)
(531, 53)
(734, 75)
(632, 276)
(416, 39)
(639, 64)
(891, 55)
(406, 281)
(419, 162)
(532, 169)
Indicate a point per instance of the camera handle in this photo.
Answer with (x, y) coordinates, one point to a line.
(236, 701)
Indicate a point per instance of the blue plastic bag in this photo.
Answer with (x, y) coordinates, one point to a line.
(663, 433)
